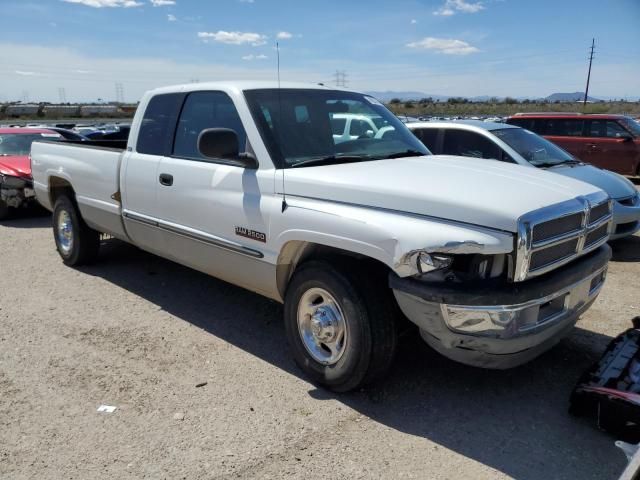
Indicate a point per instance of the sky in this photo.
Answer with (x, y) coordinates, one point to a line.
(85, 50)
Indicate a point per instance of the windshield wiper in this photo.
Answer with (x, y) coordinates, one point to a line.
(406, 153)
(330, 160)
(556, 164)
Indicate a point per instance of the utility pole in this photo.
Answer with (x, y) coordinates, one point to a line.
(25, 96)
(62, 95)
(586, 91)
(341, 78)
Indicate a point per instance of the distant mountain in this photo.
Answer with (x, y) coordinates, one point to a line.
(569, 97)
(389, 94)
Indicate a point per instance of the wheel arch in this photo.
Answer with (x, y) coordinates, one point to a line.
(295, 252)
(59, 186)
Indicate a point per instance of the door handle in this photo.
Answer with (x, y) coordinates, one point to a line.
(166, 179)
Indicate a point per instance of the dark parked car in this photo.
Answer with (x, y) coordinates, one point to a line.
(606, 141)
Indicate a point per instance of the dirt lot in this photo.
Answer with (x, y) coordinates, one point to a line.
(140, 333)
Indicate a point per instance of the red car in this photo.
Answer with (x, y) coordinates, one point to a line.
(16, 185)
(606, 141)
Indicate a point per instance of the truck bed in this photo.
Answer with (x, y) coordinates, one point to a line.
(92, 168)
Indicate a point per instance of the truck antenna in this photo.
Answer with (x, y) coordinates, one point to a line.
(284, 195)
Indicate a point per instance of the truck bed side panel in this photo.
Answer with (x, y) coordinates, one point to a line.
(92, 172)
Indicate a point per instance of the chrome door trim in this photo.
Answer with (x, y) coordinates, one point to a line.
(192, 234)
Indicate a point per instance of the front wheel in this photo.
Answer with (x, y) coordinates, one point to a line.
(76, 242)
(340, 324)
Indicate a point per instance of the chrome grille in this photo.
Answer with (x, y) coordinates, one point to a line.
(596, 235)
(598, 212)
(553, 236)
(546, 256)
(559, 226)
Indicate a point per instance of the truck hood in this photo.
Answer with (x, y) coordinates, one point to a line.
(487, 193)
(16, 166)
(615, 185)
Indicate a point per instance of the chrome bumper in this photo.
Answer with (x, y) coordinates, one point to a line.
(503, 335)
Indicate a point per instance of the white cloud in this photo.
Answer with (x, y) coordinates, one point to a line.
(448, 46)
(246, 1)
(413, 21)
(172, 18)
(27, 74)
(107, 3)
(284, 36)
(162, 3)
(234, 38)
(254, 57)
(451, 7)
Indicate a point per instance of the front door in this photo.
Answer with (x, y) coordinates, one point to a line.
(213, 214)
(608, 148)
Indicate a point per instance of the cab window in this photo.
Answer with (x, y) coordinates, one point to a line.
(469, 144)
(204, 110)
(607, 129)
(562, 127)
(159, 120)
(428, 136)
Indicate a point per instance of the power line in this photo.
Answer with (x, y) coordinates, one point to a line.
(586, 90)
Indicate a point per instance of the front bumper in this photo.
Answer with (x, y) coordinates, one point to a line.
(502, 325)
(16, 192)
(626, 217)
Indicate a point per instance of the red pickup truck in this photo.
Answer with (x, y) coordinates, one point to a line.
(607, 141)
(16, 185)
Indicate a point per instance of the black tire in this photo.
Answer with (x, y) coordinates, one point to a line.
(370, 315)
(85, 242)
(4, 210)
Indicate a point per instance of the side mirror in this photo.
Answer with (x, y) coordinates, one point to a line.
(217, 143)
(625, 137)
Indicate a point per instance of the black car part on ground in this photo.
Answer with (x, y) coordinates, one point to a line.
(610, 390)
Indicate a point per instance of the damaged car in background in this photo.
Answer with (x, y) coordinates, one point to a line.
(245, 181)
(16, 185)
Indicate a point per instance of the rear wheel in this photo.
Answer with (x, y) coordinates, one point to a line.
(77, 244)
(340, 324)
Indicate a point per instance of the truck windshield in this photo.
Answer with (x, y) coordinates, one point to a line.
(307, 127)
(20, 143)
(532, 147)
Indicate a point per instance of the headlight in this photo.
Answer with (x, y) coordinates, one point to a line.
(428, 262)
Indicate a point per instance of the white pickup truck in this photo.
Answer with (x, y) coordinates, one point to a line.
(244, 181)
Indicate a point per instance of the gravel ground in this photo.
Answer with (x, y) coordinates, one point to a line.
(140, 333)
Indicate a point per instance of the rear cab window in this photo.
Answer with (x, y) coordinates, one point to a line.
(155, 136)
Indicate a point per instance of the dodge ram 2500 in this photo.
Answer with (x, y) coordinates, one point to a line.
(245, 181)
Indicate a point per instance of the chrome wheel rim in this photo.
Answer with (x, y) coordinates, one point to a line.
(64, 232)
(322, 326)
